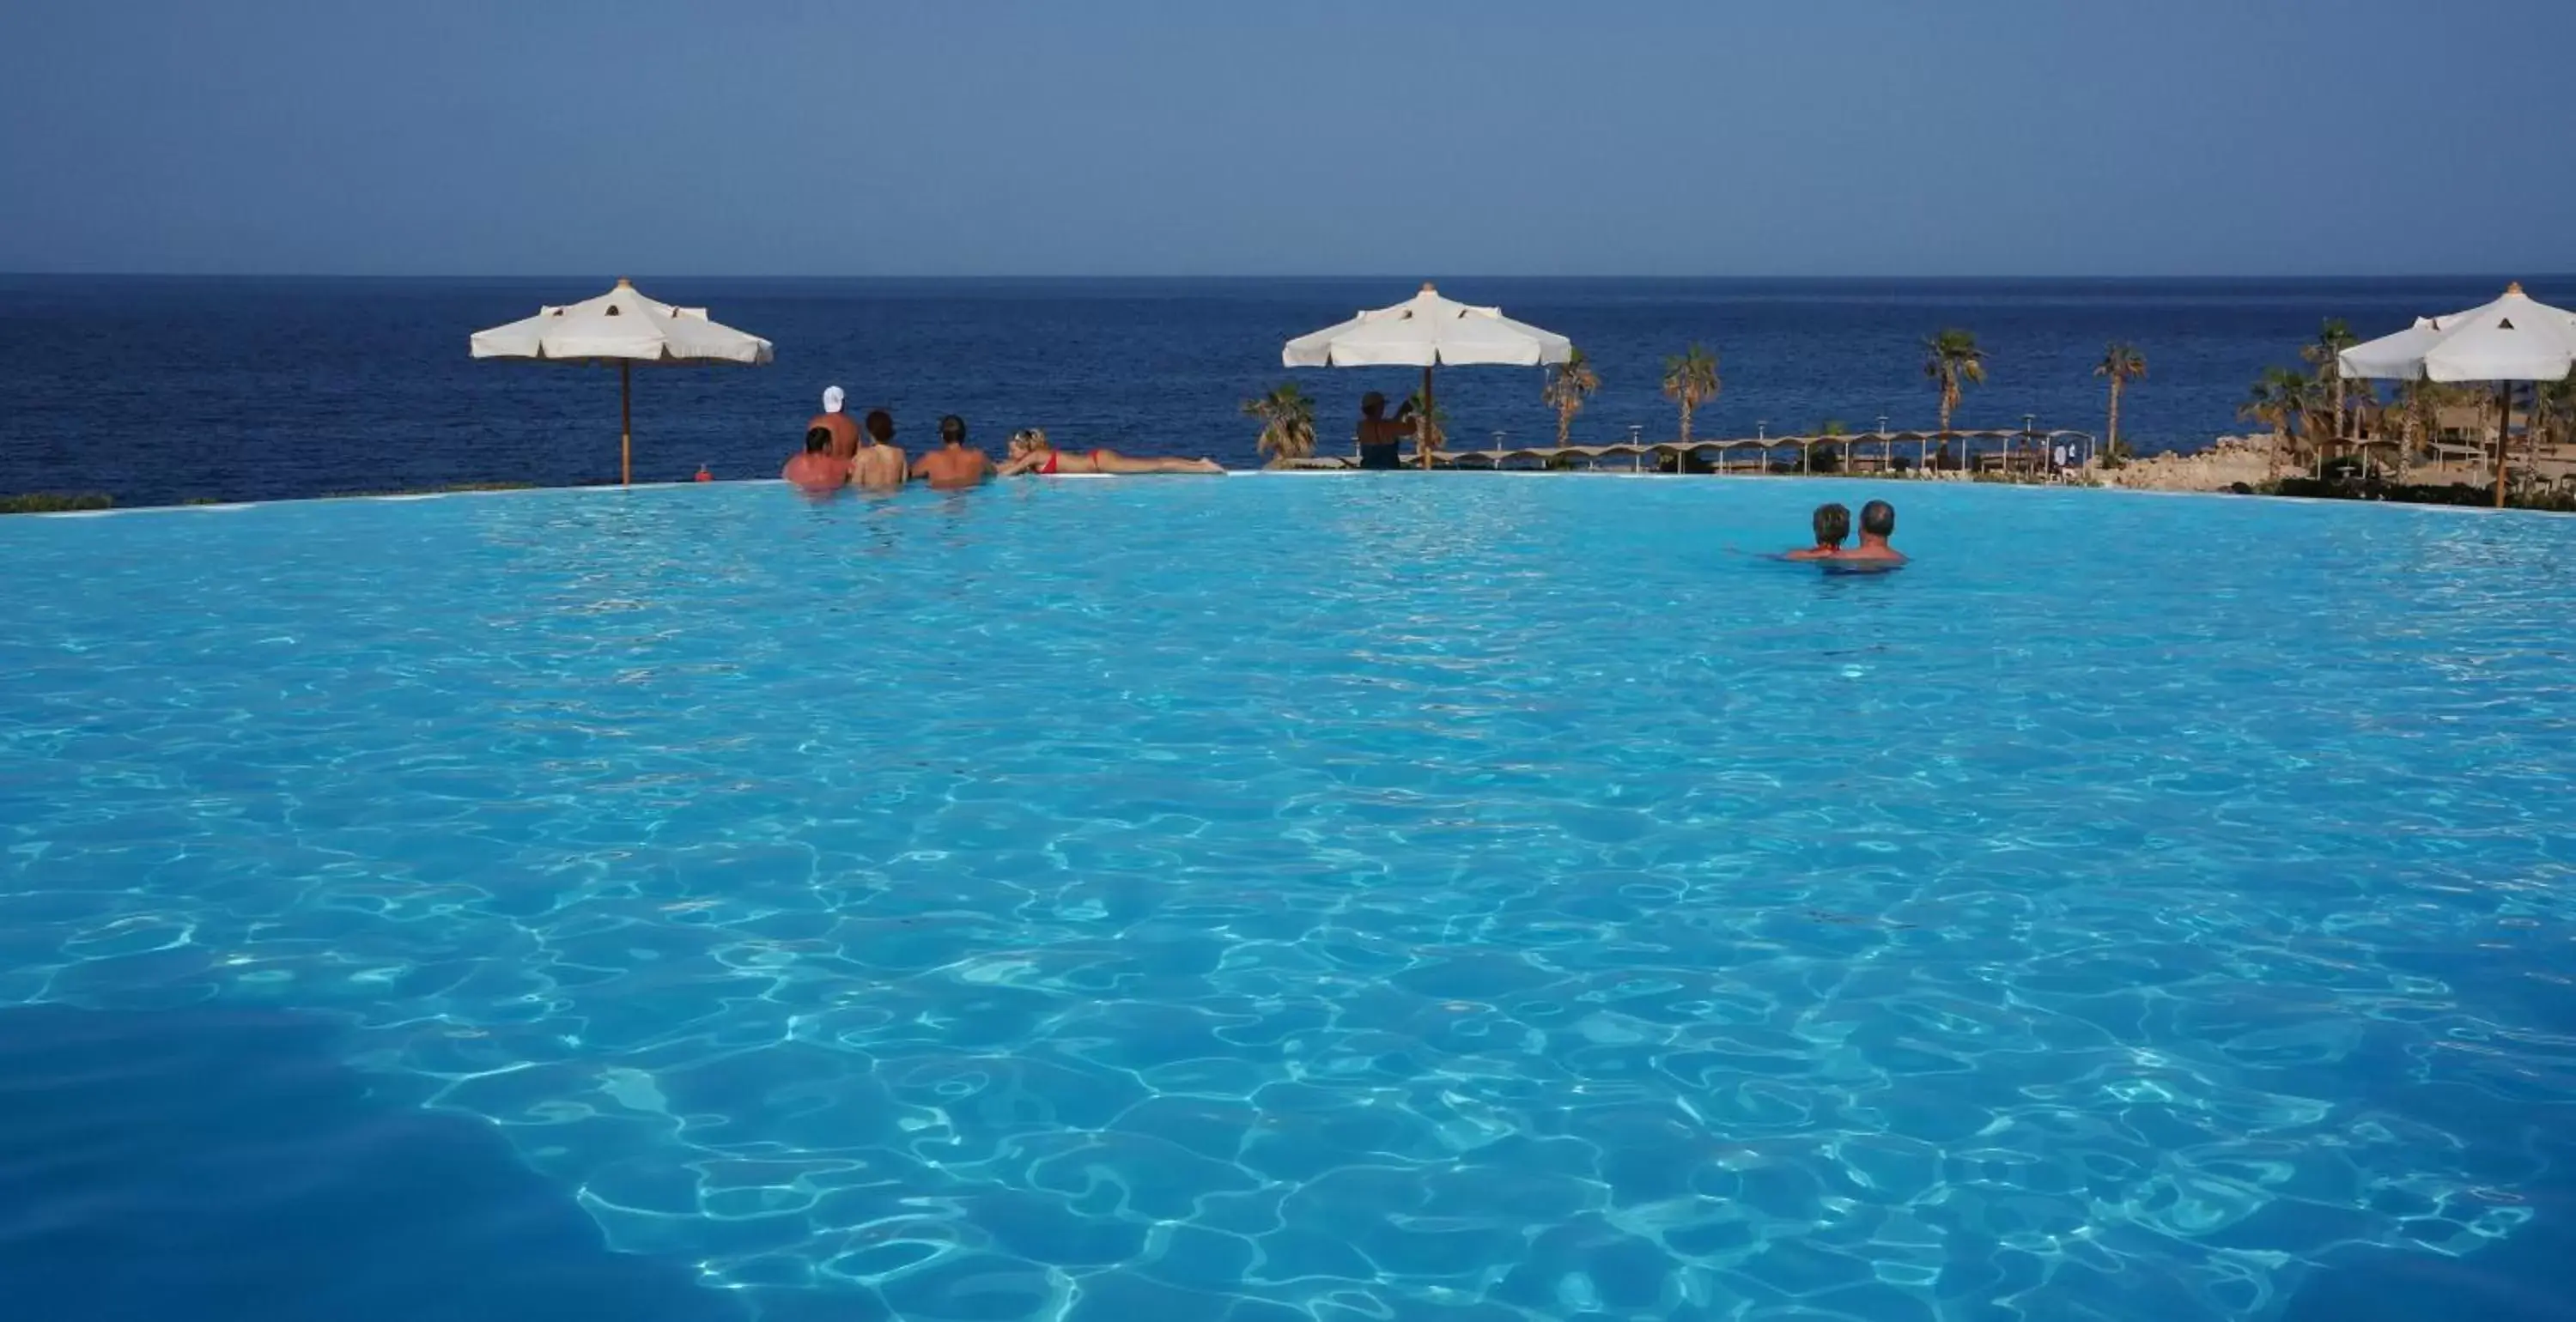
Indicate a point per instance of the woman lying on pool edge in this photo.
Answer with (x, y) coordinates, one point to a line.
(1031, 452)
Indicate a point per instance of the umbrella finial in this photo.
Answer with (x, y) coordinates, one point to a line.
(2513, 290)
(1426, 288)
(624, 283)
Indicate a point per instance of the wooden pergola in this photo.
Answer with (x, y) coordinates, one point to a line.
(2012, 450)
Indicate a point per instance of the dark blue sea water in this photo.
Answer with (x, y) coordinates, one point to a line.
(162, 390)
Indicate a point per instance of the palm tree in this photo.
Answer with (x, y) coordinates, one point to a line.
(1952, 361)
(1433, 429)
(1690, 380)
(2280, 399)
(2427, 399)
(2333, 337)
(2122, 364)
(1833, 427)
(1569, 384)
(2420, 412)
(2553, 416)
(1287, 423)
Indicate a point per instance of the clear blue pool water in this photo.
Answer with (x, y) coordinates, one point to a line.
(1371, 897)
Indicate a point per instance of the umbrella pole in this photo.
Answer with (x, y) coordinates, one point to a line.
(2504, 433)
(1422, 421)
(625, 423)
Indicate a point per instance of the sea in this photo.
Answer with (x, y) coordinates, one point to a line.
(158, 390)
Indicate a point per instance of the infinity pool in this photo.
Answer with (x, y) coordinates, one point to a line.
(1350, 899)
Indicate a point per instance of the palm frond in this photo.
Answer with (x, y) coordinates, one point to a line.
(2122, 361)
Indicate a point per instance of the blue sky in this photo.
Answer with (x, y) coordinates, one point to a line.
(1792, 137)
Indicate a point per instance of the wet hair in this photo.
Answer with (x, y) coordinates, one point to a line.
(880, 425)
(818, 440)
(1372, 404)
(952, 430)
(1878, 519)
(1032, 437)
(1833, 524)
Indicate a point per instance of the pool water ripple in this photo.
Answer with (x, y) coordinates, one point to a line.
(1352, 898)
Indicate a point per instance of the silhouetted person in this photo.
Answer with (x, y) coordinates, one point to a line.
(1379, 434)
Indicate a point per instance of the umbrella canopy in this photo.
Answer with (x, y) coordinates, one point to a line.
(625, 327)
(1426, 330)
(2515, 338)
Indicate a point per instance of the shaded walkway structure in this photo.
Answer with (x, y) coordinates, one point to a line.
(2019, 450)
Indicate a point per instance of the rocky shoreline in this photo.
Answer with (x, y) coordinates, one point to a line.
(2229, 461)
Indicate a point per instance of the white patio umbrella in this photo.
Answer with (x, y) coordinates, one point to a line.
(625, 326)
(1425, 331)
(2512, 339)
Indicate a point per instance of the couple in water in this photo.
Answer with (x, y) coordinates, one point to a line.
(1833, 525)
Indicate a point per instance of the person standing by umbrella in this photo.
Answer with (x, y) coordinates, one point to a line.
(1426, 331)
(1380, 435)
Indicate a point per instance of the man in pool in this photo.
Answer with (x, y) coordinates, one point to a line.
(845, 433)
(877, 465)
(955, 463)
(1877, 524)
(1833, 524)
(817, 469)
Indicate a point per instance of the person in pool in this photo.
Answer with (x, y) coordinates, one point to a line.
(1877, 524)
(1833, 524)
(817, 469)
(877, 464)
(955, 463)
(845, 433)
(1032, 452)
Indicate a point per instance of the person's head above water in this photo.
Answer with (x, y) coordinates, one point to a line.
(1372, 405)
(1833, 524)
(880, 426)
(1878, 519)
(818, 440)
(952, 430)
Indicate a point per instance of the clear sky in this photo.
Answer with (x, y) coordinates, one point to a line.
(1083, 137)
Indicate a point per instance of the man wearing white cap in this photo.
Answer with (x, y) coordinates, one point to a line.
(845, 433)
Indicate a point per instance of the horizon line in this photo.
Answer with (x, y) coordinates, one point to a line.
(1274, 276)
